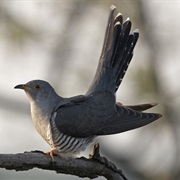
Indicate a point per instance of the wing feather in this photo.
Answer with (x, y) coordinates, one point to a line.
(98, 115)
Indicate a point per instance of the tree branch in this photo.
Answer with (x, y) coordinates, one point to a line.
(82, 167)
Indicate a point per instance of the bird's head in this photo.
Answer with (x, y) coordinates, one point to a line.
(37, 90)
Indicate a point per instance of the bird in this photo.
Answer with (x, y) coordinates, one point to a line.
(69, 125)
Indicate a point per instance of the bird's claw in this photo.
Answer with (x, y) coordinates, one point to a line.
(52, 153)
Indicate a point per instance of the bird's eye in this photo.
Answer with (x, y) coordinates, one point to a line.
(37, 86)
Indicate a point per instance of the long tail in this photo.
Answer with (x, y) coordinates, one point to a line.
(116, 54)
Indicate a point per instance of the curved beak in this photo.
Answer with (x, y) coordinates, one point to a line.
(21, 86)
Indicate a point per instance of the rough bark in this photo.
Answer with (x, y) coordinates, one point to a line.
(93, 167)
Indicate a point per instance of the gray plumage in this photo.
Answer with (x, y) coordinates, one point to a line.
(70, 124)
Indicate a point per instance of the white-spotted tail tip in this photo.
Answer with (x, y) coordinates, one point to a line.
(136, 31)
(112, 7)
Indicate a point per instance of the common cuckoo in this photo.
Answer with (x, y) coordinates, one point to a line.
(69, 125)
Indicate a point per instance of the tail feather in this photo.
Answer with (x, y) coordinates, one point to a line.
(142, 107)
(120, 39)
(116, 54)
(109, 32)
(127, 56)
(138, 107)
(118, 18)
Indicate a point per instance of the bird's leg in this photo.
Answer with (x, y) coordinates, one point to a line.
(52, 153)
(95, 154)
(103, 160)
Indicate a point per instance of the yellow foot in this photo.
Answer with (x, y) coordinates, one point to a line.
(52, 153)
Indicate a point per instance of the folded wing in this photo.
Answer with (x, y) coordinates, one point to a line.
(92, 117)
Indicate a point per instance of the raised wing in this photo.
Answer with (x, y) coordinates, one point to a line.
(116, 54)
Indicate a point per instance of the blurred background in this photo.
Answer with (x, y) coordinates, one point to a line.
(60, 42)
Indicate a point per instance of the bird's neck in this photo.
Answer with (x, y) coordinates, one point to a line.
(42, 108)
(41, 111)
